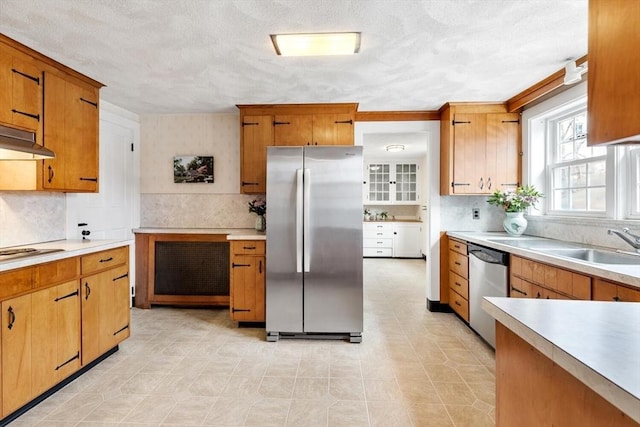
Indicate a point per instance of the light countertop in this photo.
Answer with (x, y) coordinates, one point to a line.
(232, 233)
(597, 342)
(628, 274)
(70, 248)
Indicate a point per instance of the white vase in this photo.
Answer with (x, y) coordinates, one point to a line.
(515, 223)
(261, 223)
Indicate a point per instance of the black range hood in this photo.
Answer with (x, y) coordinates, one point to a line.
(16, 144)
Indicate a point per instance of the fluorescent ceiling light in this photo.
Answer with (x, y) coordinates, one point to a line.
(394, 148)
(316, 44)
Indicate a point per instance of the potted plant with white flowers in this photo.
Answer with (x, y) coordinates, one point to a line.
(515, 203)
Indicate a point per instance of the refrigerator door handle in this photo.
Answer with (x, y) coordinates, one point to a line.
(307, 210)
(299, 218)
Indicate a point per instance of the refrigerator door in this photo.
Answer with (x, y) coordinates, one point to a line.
(333, 294)
(284, 240)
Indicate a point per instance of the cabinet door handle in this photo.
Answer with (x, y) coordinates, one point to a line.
(489, 183)
(51, 174)
(95, 104)
(87, 290)
(481, 183)
(616, 298)
(30, 77)
(33, 116)
(260, 266)
(72, 294)
(107, 259)
(12, 317)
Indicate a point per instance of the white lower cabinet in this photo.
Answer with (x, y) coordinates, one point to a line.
(407, 240)
(392, 239)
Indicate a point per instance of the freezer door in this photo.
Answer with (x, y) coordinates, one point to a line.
(284, 240)
(333, 240)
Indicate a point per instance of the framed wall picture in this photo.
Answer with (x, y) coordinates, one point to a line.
(193, 169)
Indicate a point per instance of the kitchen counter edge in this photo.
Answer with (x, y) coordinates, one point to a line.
(70, 248)
(231, 233)
(584, 347)
(627, 274)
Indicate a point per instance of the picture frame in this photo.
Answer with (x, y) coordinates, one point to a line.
(193, 169)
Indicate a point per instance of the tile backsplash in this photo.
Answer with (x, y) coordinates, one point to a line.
(27, 218)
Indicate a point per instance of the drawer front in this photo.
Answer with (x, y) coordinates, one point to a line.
(375, 230)
(458, 246)
(104, 260)
(57, 272)
(459, 284)
(459, 304)
(378, 252)
(248, 247)
(459, 264)
(15, 282)
(378, 243)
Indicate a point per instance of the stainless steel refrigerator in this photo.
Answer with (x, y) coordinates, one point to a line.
(314, 242)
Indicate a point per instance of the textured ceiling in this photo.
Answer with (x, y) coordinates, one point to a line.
(184, 56)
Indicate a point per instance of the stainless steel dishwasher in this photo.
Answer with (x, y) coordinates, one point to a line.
(488, 277)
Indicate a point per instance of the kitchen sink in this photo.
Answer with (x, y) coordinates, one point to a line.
(596, 256)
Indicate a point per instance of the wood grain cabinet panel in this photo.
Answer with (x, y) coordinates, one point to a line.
(257, 135)
(540, 280)
(247, 287)
(605, 290)
(614, 66)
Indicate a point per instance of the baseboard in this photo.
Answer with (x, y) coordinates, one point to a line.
(438, 307)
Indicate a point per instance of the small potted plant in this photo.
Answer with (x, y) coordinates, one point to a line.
(367, 214)
(515, 203)
(259, 207)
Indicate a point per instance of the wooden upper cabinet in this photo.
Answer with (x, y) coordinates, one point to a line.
(257, 135)
(479, 149)
(70, 131)
(614, 65)
(288, 125)
(293, 130)
(20, 89)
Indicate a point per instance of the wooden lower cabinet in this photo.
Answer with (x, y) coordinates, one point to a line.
(533, 279)
(40, 342)
(458, 278)
(105, 311)
(533, 391)
(604, 290)
(53, 321)
(247, 277)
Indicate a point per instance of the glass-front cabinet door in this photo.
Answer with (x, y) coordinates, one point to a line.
(379, 182)
(406, 182)
(392, 183)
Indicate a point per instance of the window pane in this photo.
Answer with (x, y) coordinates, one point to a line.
(578, 176)
(597, 199)
(561, 199)
(561, 177)
(597, 173)
(578, 199)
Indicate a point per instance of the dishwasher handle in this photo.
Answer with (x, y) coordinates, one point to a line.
(488, 255)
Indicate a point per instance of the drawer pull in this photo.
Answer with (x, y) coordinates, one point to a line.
(458, 304)
(249, 248)
(458, 284)
(107, 259)
(457, 263)
(234, 265)
(456, 246)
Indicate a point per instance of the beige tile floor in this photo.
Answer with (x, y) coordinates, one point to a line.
(194, 367)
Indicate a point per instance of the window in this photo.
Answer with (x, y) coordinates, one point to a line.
(634, 182)
(577, 173)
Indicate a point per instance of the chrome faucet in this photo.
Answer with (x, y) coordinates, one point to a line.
(627, 236)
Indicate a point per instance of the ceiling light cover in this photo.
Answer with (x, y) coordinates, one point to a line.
(573, 74)
(394, 148)
(316, 44)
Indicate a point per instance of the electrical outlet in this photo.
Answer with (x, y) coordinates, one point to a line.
(476, 213)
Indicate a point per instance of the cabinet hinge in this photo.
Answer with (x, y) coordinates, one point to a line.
(234, 265)
(338, 122)
(453, 122)
(30, 77)
(250, 124)
(239, 309)
(281, 123)
(95, 104)
(511, 121)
